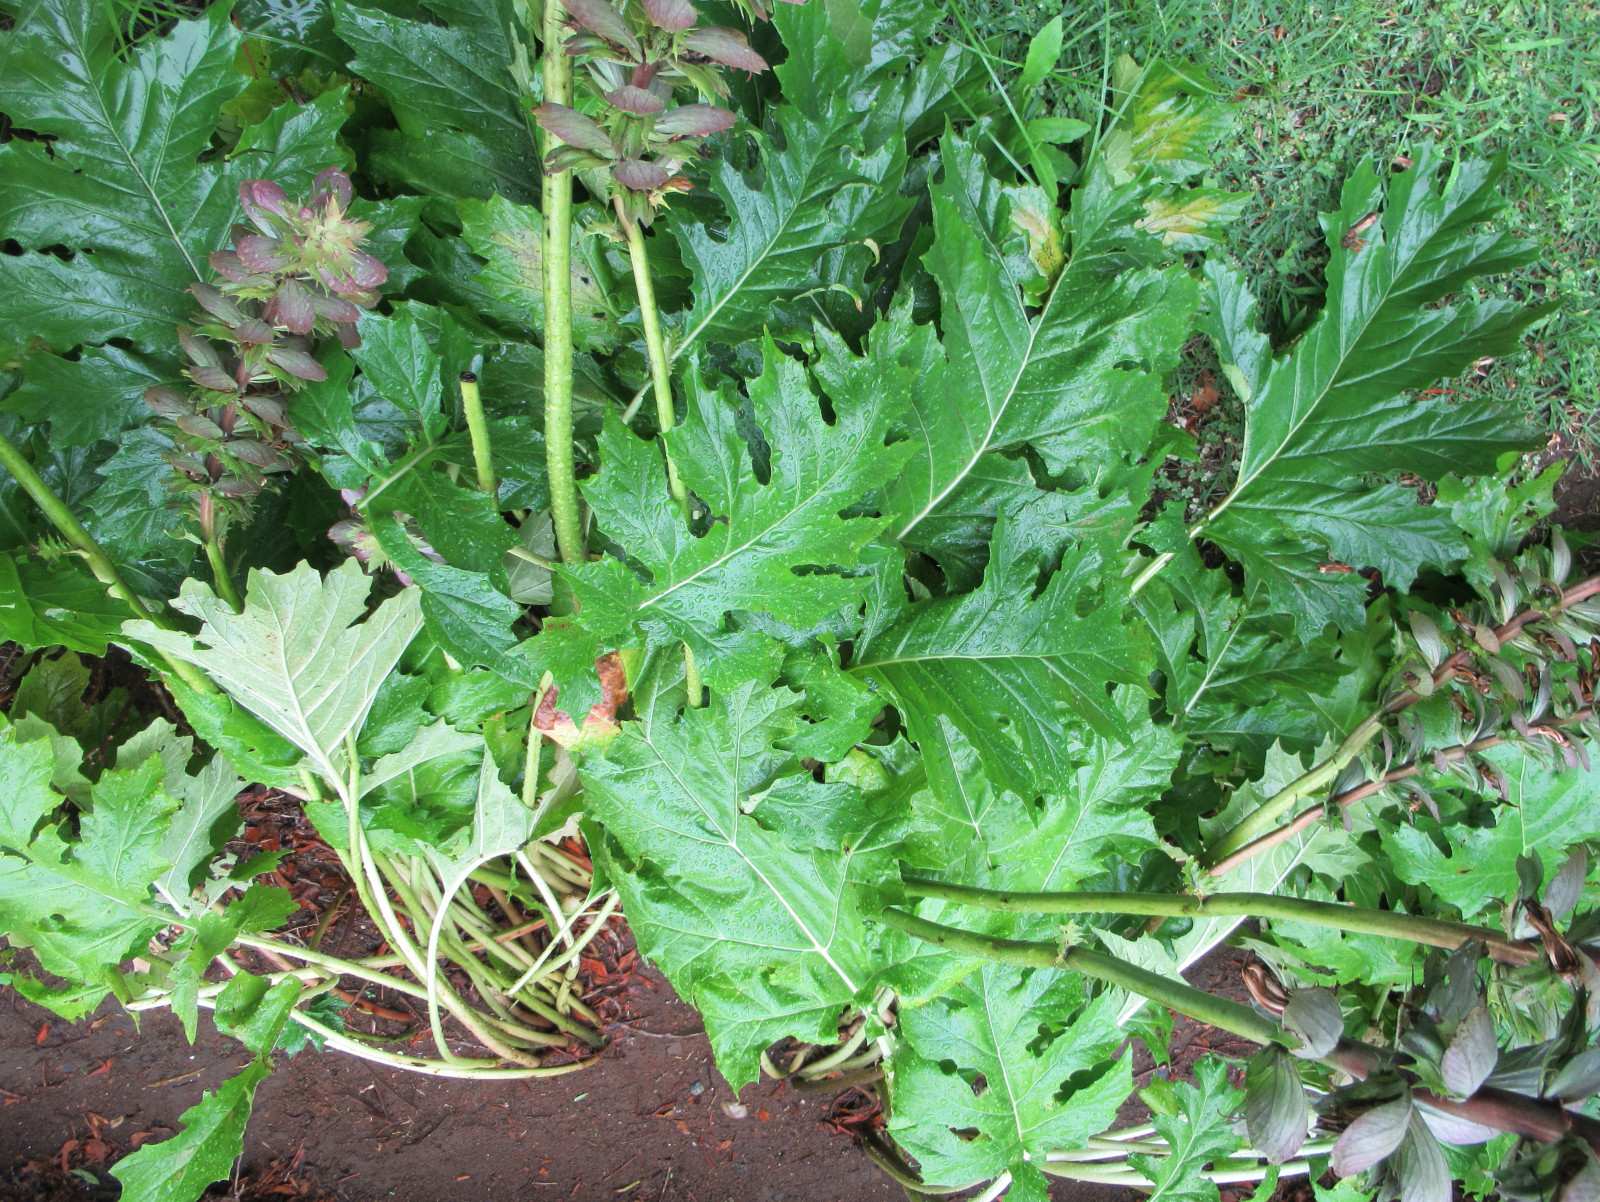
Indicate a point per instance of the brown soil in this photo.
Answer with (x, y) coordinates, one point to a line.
(645, 1122)
(1578, 497)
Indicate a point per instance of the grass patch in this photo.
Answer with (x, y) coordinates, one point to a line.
(1322, 86)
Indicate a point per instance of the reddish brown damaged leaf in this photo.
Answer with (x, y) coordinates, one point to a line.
(601, 723)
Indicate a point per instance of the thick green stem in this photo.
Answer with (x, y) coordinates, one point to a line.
(655, 344)
(1531, 1117)
(478, 430)
(558, 307)
(71, 529)
(219, 572)
(1429, 931)
(1175, 995)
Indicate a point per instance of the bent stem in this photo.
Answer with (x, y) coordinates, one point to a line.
(558, 308)
(1489, 1107)
(1175, 995)
(1309, 816)
(1318, 777)
(1431, 932)
(371, 888)
(71, 529)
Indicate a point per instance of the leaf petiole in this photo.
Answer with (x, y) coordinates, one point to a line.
(655, 344)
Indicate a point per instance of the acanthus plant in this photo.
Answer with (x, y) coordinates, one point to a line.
(919, 735)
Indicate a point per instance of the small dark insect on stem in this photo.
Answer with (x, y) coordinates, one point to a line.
(1352, 239)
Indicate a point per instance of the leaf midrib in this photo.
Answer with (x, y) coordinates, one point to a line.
(1401, 267)
(842, 463)
(766, 252)
(127, 154)
(984, 446)
(732, 843)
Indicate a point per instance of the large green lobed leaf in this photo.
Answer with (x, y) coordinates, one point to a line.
(296, 656)
(1023, 1058)
(763, 938)
(779, 548)
(1337, 408)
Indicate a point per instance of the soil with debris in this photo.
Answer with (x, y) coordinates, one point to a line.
(650, 1119)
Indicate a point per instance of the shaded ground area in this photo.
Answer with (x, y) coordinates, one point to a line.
(1578, 496)
(645, 1122)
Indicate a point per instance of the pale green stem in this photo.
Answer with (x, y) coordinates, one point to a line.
(562, 866)
(691, 679)
(414, 1064)
(214, 556)
(552, 906)
(478, 431)
(661, 377)
(435, 934)
(558, 307)
(660, 364)
(1102, 1175)
(219, 572)
(370, 887)
(835, 1059)
(332, 964)
(1153, 568)
(530, 765)
(1431, 932)
(533, 557)
(428, 971)
(405, 466)
(71, 529)
(1258, 820)
(547, 964)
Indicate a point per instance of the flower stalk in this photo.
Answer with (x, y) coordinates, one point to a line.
(212, 541)
(557, 259)
(637, 59)
(655, 345)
